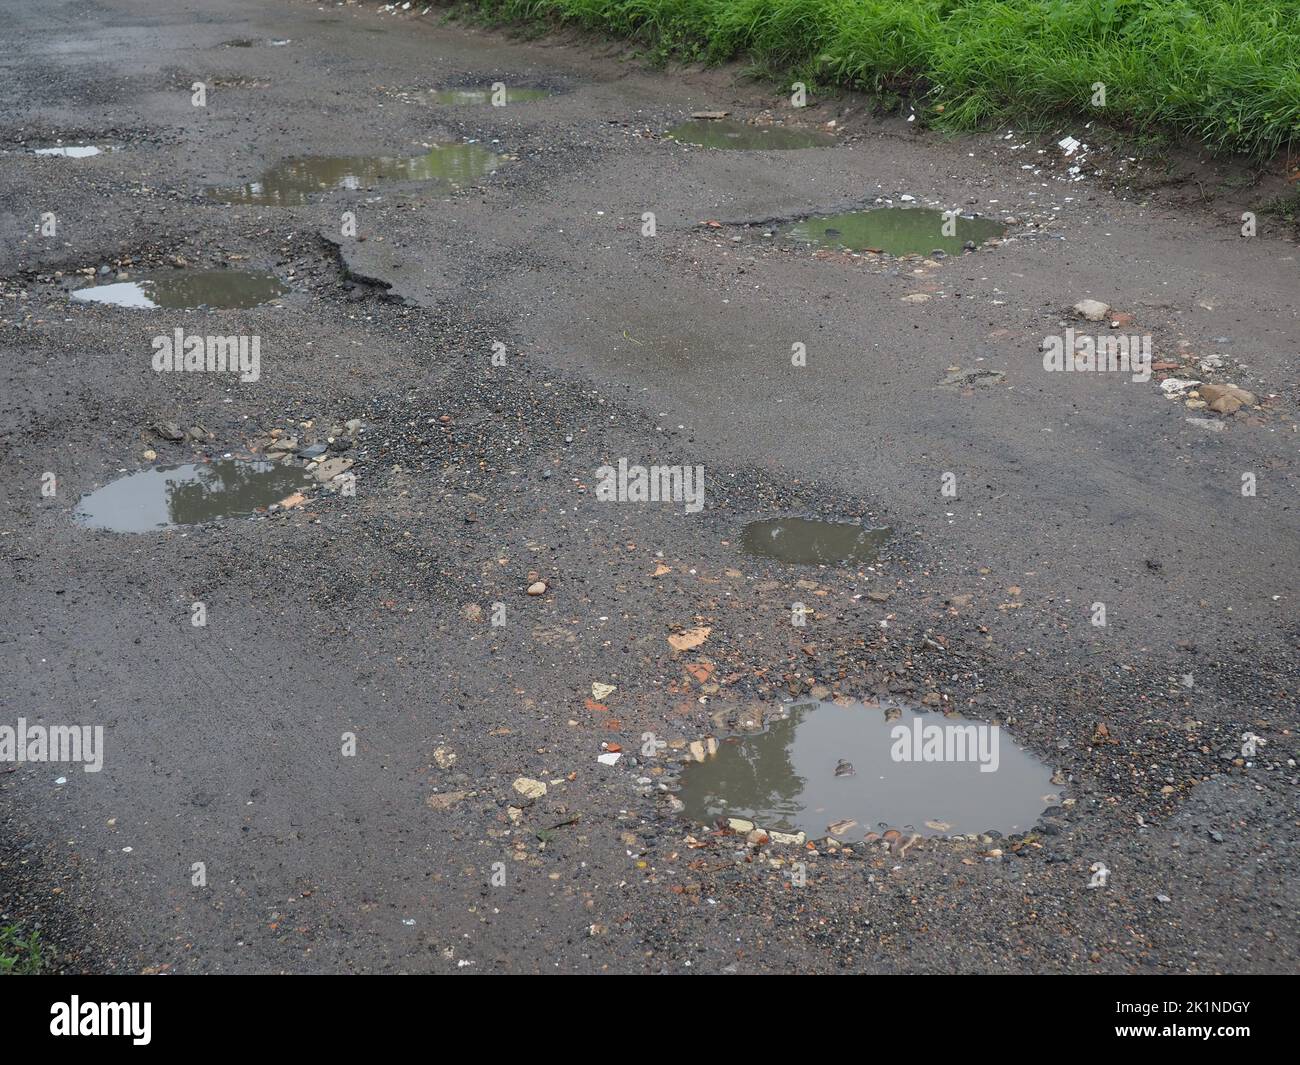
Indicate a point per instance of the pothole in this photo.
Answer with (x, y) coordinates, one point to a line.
(896, 231)
(727, 133)
(813, 541)
(223, 289)
(163, 497)
(253, 42)
(75, 151)
(292, 182)
(469, 97)
(853, 770)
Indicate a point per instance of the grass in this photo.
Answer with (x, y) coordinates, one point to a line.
(1225, 73)
(1285, 207)
(20, 955)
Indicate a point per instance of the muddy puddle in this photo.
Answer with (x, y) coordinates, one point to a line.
(293, 182)
(222, 289)
(166, 496)
(895, 231)
(848, 770)
(814, 542)
(489, 96)
(726, 133)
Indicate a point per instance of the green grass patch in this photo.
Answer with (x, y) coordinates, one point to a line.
(20, 954)
(1285, 207)
(1224, 72)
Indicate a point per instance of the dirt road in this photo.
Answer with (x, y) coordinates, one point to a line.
(1020, 499)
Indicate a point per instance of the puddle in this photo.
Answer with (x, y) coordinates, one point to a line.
(224, 289)
(485, 96)
(895, 230)
(166, 496)
(74, 151)
(249, 42)
(294, 181)
(724, 133)
(823, 764)
(814, 542)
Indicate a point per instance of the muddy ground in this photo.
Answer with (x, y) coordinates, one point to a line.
(371, 614)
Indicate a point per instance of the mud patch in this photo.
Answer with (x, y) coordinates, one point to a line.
(812, 542)
(294, 182)
(850, 770)
(223, 289)
(895, 231)
(741, 136)
(163, 497)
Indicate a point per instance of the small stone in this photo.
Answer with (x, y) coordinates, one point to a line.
(702, 749)
(149, 454)
(839, 828)
(537, 588)
(1092, 310)
(788, 839)
(756, 838)
(739, 824)
(445, 757)
(1227, 399)
(529, 788)
(331, 468)
(444, 801)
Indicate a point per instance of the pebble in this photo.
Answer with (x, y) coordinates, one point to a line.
(537, 588)
(529, 788)
(1092, 310)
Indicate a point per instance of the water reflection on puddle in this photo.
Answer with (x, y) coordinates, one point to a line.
(894, 230)
(293, 182)
(814, 542)
(165, 496)
(225, 289)
(725, 133)
(866, 768)
(75, 151)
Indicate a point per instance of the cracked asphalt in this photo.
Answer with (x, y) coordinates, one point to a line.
(371, 615)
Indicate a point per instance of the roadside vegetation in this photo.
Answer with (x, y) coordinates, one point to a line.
(1225, 72)
(20, 953)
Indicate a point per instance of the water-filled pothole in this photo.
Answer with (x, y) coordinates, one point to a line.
(225, 289)
(251, 42)
(848, 770)
(165, 496)
(814, 542)
(293, 182)
(725, 133)
(75, 151)
(895, 230)
(508, 95)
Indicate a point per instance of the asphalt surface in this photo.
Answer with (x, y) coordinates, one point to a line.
(371, 615)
